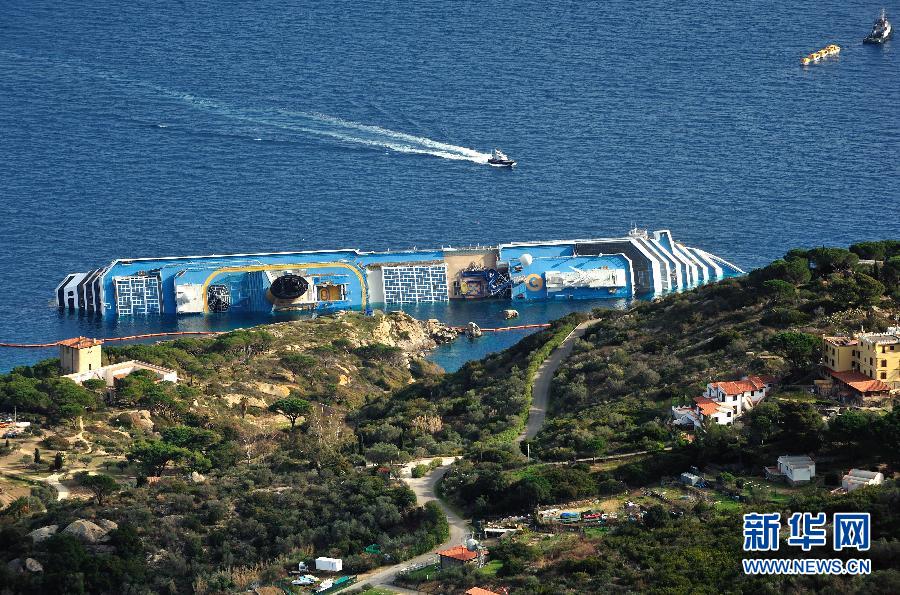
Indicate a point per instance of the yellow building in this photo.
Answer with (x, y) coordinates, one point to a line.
(839, 353)
(79, 354)
(879, 356)
(874, 355)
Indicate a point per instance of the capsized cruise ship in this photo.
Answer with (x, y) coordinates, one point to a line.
(640, 264)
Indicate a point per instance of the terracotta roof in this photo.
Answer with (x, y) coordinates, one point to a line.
(749, 384)
(707, 406)
(480, 591)
(81, 342)
(841, 341)
(860, 382)
(459, 552)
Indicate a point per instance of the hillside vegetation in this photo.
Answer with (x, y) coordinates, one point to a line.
(254, 461)
(614, 394)
(486, 401)
(242, 469)
(272, 447)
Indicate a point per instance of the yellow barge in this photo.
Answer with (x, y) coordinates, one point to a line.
(830, 50)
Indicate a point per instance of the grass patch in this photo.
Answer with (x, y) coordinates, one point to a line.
(529, 471)
(491, 569)
(726, 504)
(595, 532)
(424, 574)
(798, 397)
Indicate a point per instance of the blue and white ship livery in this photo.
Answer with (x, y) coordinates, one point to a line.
(640, 264)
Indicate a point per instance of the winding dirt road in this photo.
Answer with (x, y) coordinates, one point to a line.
(544, 376)
(425, 489)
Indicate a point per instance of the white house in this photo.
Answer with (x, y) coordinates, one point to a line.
(795, 469)
(858, 478)
(741, 395)
(724, 402)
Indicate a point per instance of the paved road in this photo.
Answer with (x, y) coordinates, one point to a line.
(425, 490)
(544, 376)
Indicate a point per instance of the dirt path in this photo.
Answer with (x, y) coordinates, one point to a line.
(425, 490)
(542, 378)
(62, 492)
(79, 437)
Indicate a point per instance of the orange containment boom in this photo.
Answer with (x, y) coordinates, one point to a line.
(129, 338)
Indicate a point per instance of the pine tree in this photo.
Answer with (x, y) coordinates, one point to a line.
(37, 456)
(58, 461)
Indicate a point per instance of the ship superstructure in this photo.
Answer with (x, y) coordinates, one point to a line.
(639, 264)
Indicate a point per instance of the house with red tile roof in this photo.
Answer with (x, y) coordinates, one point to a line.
(862, 369)
(856, 387)
(725, 401)
(459, 555)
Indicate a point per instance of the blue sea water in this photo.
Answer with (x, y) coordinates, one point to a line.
(164, 128)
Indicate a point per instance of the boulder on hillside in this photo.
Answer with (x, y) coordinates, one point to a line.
(18, 565)
(122, 420)
(107, 524)
(275, 390)
(87, 531)
(134, 419)
(39, 535)
(144, 421)
(235, 400)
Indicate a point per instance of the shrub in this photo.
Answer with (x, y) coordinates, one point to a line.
(784, 317)
(56, 442)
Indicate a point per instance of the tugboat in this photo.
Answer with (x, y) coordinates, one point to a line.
(499, 159)
(881, 30)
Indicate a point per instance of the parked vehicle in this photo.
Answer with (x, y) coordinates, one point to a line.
(306, 579)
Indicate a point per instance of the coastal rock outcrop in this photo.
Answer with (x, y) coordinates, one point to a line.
(399, 329)
(440, 332)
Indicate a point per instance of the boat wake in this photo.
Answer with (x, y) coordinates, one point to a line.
(326, 126)
(309, 123)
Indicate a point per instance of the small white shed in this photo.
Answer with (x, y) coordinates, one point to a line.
(797, 469)
(329, 564)
(857, 478)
